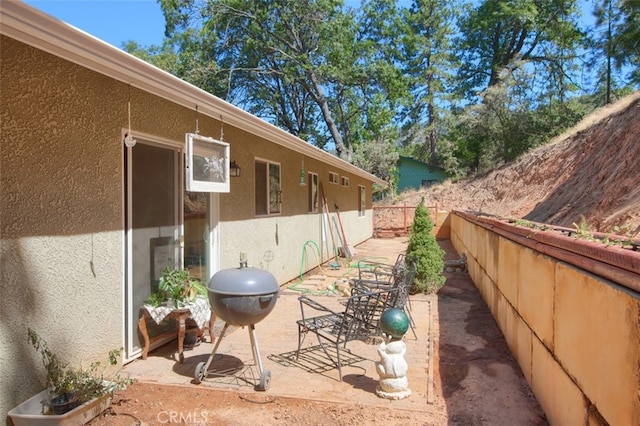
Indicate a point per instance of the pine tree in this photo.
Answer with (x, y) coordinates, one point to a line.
(425, 252)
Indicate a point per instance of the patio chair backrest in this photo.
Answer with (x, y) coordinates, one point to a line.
(381, 271)
(404, 284)
(362, 313)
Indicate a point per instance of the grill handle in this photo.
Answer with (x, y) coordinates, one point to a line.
(266, 298)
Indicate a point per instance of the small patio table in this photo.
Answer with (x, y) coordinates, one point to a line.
(198, 310)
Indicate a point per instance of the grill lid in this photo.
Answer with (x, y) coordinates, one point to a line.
(243, 281)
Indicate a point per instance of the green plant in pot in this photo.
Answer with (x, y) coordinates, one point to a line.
(70, 387)
(177, 286)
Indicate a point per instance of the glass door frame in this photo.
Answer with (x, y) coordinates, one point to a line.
(131, 313)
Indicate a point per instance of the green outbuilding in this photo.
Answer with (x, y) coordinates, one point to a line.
(417, 174)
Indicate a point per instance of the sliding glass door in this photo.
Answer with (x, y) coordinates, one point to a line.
(154, 232)
(165, 226)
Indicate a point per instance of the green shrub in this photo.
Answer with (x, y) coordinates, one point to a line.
(425, 252)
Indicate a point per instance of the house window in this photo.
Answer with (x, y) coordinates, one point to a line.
(268, 190)
(362, 201)
(333, 177)
(313, 193)
(345, 181)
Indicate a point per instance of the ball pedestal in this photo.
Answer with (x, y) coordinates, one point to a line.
(392, 367)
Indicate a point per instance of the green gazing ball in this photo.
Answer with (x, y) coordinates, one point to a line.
(394, 322)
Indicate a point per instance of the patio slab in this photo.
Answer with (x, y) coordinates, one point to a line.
(440, 386)
(277, 335)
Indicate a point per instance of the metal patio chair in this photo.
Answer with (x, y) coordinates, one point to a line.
(402, 283)
(358, 321)
(377, 271)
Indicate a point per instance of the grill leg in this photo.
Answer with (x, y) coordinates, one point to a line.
(215, 348)
(254, 347)
(203, 368)
(265, 375)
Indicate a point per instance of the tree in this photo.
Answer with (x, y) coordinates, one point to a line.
(628, 37)
(501, 36)
(298, 64)
(429, 64)
(615, 44)
(367, 82)
(379, 157)
(424, 251)
(519, 61)
(177, 55)
(504, 126)
(270, 54)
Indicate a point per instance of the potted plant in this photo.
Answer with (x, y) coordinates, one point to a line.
(175, 287)
(68, 389)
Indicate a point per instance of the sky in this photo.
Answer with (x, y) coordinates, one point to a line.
(113, 21)
(118, 21)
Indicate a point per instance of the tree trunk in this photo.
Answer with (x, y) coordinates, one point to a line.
(318, 96)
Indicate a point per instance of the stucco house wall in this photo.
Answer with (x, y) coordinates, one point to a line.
(279, 236)
(61, 214)
(62, 186)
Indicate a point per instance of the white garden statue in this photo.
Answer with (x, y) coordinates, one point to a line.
(392, 367)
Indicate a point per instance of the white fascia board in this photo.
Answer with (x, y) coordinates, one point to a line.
(35, 28)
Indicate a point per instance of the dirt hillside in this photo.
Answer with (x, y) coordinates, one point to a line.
(592, 170)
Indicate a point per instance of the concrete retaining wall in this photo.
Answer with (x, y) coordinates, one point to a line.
(575, 334)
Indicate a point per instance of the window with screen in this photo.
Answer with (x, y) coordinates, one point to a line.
(333, 177)
(268, 193)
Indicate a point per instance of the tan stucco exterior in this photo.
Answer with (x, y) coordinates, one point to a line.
(575, 335)
(63, 180)
(62, 250)
(243, 231)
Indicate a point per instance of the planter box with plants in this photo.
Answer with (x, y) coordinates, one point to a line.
(73, 396)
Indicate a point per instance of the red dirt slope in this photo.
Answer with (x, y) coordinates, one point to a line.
(593, 170)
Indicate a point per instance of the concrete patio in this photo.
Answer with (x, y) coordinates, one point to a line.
(441, 323)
